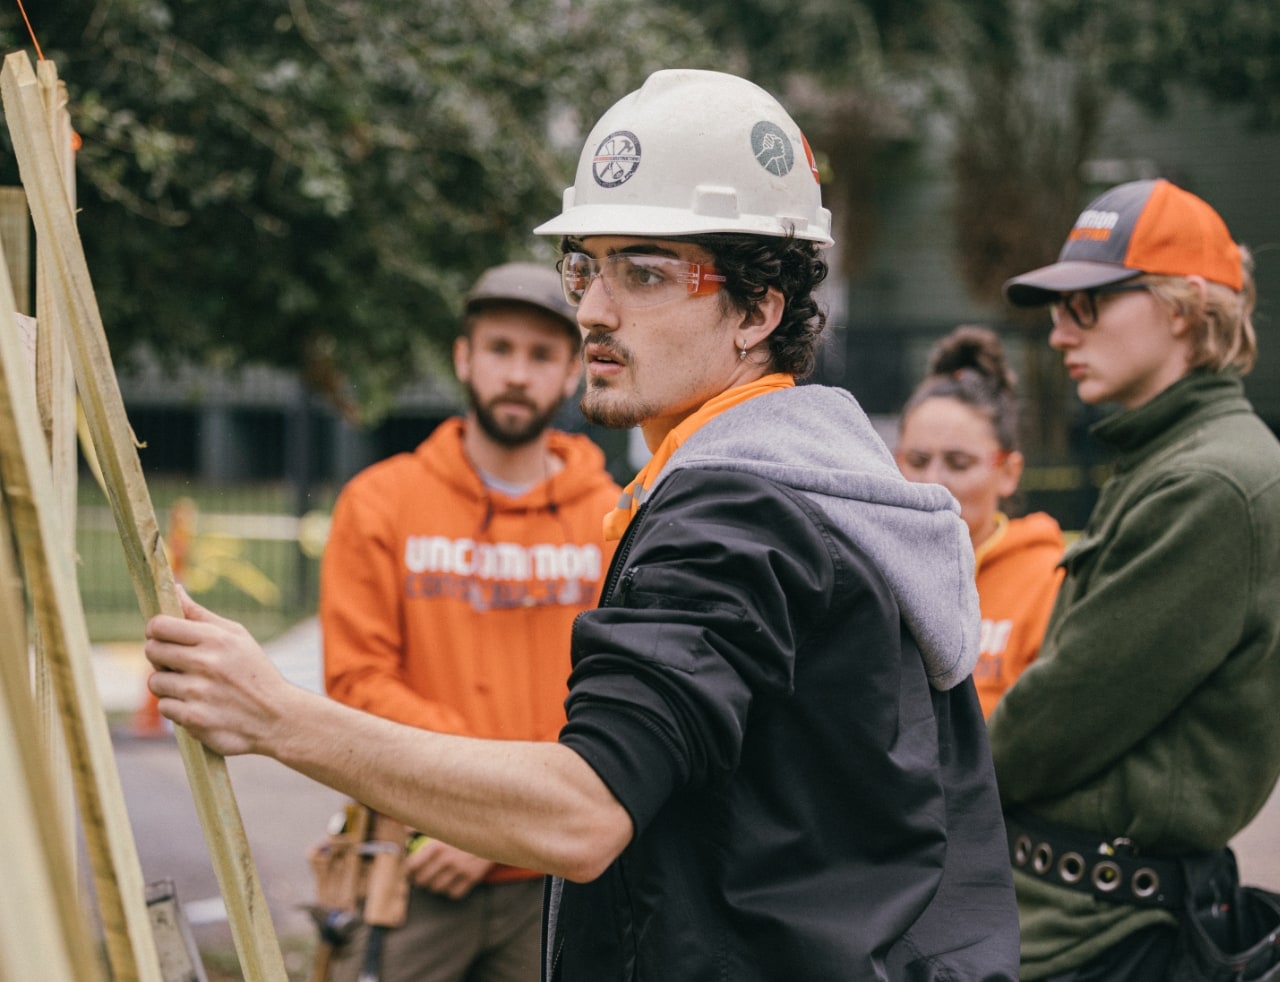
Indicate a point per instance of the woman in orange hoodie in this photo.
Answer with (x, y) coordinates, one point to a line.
(960, 429)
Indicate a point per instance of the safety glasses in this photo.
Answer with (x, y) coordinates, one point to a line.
(1082, 305)
(636, 279)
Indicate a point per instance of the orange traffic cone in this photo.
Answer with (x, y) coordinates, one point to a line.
(147, 722)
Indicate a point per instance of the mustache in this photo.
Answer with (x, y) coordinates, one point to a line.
(513, 396)
(605, 340)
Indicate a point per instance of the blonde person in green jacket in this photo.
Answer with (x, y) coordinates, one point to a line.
(1147, 731)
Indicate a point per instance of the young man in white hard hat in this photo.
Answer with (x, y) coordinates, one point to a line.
(448, 589)
(774, 765)
(1146, 733)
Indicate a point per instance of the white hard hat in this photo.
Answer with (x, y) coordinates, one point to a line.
(692, 152)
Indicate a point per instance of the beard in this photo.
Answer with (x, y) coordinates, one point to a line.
(601, 402)
(508, 433)
(617, 413)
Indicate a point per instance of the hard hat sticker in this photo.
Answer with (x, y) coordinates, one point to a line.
(772, 148)
(616, 159)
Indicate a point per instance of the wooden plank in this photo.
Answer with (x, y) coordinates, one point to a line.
(55, 378)
(56, 400)
(59, 616)
(15, 238)
(247, 910)
(43, 930)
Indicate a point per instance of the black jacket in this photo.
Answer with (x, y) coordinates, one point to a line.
(806, 805)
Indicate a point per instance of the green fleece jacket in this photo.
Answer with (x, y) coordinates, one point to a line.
(1152, 711)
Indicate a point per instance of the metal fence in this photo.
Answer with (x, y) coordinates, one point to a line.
(242, 550)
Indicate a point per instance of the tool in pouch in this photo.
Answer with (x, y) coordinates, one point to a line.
(360, 879)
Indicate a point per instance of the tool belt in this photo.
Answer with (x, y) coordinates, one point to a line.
(1114, 869)
(359, 874)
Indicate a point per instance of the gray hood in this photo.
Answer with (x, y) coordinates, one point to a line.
(818, 441)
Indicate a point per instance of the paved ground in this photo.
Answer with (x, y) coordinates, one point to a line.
(283, 813)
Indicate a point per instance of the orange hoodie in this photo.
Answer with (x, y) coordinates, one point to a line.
(448, 606)
(1018, 577)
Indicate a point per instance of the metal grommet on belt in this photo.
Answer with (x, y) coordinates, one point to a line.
(1145, 883)
(1042, 858)
(1107, 876)
(1022, 850)
(1112, 868)
(1071, 867)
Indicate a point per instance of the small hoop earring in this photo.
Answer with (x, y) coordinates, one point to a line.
(742, 353)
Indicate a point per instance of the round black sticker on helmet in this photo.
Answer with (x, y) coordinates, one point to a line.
(616, 159)
(772, 148)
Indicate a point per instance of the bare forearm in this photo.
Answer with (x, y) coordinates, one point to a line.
(533, 805)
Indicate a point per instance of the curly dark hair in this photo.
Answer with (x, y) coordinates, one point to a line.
(752, 264)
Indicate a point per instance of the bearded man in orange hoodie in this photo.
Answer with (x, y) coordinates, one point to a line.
(449, 585)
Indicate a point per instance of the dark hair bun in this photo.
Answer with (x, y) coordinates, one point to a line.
(974, 349)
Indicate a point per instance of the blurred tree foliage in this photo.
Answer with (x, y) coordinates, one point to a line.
(315, 183)
(1038, 80)
(1019, 89)
(1020, 86)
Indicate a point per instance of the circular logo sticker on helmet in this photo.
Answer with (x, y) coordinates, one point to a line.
(616, 159)
(772, 148)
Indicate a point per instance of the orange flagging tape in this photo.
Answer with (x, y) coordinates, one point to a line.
(30, 30)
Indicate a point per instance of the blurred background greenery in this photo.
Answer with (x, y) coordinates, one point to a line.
(239, 550)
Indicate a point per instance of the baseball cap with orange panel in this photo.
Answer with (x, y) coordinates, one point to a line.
(1150, 226)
